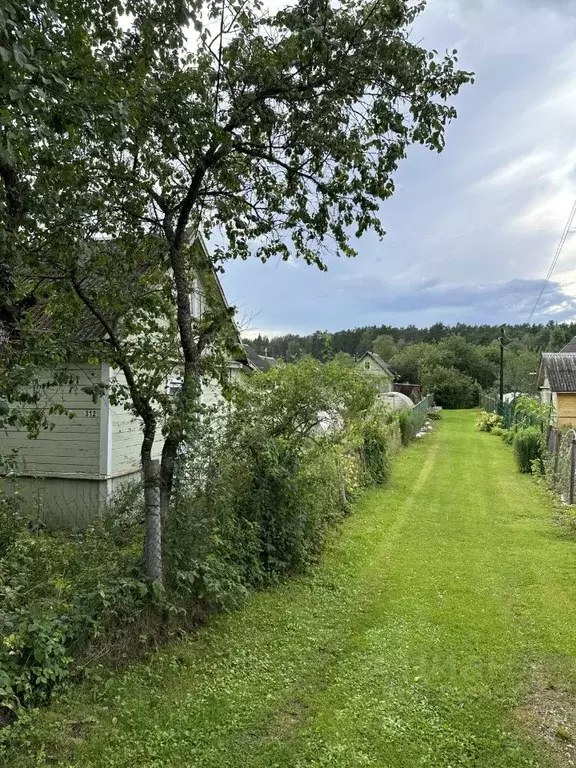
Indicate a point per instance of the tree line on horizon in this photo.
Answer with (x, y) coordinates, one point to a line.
(456, 362)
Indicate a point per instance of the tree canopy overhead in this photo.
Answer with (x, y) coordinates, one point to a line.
(138, 122)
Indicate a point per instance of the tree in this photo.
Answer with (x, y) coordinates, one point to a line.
(365, 342)
(406, 362)
(383, 345)
(468, 359)
(281, 131)
(451, 388)
(344, 360)
(520, 371)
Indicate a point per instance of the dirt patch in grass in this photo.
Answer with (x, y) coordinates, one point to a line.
(287, 720)
(548, 713)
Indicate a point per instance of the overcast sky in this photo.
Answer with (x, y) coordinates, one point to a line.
(471, 231)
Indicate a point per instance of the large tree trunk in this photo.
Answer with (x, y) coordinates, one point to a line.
(153, 536)
(167, 468)
(153, 557)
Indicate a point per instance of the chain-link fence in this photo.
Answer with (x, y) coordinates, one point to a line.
(512, 416)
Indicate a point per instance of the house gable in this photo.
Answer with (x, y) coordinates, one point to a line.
(374, 364)
(558, 371)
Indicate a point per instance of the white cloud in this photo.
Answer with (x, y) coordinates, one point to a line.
(525, 167)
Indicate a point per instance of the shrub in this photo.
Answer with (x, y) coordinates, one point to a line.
(406, 423)
(451, 387)
(253, 503)
(508, 436)
(487, 422)
(301, 441)
(435, 415)
(57, 592)
(527, 448)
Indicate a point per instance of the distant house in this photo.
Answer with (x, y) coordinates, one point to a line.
(262, 362)
(69, 472)
(374, 365)
(557, 383)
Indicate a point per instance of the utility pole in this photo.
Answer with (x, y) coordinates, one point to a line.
(502, 365)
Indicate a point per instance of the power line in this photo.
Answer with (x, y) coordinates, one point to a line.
(557, 253)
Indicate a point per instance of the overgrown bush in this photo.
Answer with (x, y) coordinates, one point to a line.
(451, 387)
(258, 495)
(487, 422)
(255, 497)
(57, 592)
(406, 423)
(508, 436)
(528, 448)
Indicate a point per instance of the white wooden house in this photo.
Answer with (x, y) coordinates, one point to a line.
(373, 364)
(67, 474)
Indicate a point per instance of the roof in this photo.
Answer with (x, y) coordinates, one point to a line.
(90, 329)
(560, 370)
(262, 362)
(378, 360)
(570, 348)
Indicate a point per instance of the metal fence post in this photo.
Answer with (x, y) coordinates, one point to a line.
(572, 468)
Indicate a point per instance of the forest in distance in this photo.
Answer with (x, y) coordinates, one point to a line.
(456, 362)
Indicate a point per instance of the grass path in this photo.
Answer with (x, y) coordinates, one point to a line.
(411, 646)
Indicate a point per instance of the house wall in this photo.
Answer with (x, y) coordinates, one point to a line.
(371, 366)
(72, 447)
(65, 502)
(126, 437)
(59, 502)
(566, 409)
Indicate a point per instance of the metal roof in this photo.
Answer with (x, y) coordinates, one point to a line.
(560, 369)
(570, 348)
(262, 362)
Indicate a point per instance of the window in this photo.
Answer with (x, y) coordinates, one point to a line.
(174, 385)
(367, 365)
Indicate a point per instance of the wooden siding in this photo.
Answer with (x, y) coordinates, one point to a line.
(368, 365)
(59, 502)
(72, 446)
(566, 409)
(126, 435)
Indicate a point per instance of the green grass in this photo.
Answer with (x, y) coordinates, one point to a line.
(410, 646)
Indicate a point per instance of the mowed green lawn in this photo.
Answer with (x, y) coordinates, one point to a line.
(446, 597)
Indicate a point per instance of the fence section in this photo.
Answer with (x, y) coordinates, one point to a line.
(561, 463)
(420, 412)
(560, 454)
(511, 416)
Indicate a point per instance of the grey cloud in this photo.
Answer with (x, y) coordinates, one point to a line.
(497, 301)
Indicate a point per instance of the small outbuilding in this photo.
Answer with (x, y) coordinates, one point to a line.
(557, 383)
